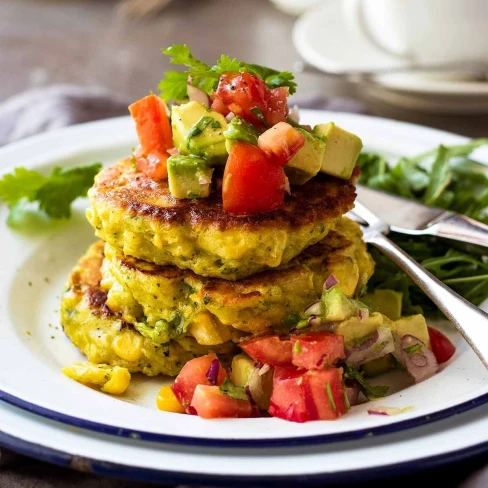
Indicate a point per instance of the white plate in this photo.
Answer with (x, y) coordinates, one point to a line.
(405, 452)
(33, 349)
(323, 39)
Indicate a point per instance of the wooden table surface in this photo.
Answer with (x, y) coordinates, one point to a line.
(85, 42)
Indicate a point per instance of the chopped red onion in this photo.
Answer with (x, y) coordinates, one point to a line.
(363, 313)
(255, 412)
(352, 393)
(264, 369)
(294, 114)
(247, 389)
(314, 321)
(388, 410)
(173, 151)
(230, 116)
(419, 360)
(330, 282)
(204, 179)
(287, 186)
(258, 364)
(213, 372)
(380, 344)
(316, 308)
(138, 153)
(196, 94)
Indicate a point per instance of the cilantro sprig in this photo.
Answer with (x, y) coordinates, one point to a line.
(54, 194)
(174, 85)
(369, 390)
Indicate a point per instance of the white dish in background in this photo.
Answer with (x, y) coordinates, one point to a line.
(33, 349)
(323, 39)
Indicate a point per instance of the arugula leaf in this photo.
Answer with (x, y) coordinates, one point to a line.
(236, 392)
(369, 390)
(446, 178)
(440, 177)
(200, 74)
(54, 193)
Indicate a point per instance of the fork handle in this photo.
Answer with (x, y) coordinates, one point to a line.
(468, 319)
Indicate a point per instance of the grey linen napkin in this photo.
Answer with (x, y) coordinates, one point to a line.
(45, 109)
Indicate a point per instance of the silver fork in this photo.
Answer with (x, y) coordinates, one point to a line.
(468, 319)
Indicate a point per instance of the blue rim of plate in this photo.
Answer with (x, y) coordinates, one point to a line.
(242, 443)
(104, 468)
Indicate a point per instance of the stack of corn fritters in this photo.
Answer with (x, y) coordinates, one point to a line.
(175, 279)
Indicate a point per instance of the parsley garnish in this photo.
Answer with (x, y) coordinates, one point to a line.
(200, 74)
(369, 390)
(330, 397)
(414, 348)
(54, 194)
(236, 392)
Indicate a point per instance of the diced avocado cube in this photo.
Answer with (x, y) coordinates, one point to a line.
(378, 366)
(199, 131)
(307, 161)
(242, 369)
(341, 150)
(353, 329)
(387, 302)
(337, 305)
(189, 177)
(240, 130)
(414, 325)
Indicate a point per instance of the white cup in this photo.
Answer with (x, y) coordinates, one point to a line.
(422, 31)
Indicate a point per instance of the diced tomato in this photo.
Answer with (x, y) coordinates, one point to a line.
(317, 350)
(281, 142)
(211, 403)
(219, 106)
(252, 183)
(277, 105)
(442, 347)
(242, 93)
(269, 350)
(153, 167)
(154, 132)
(194, 373)
(324, 394)
(249, 97)
(287, 401)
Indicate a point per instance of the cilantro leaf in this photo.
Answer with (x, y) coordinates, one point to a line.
(226, 63)
(236, 392)
(54, 193)
(63, 186)
(369, 390)
(200, 74)
(180, 54)
(22, 183)
(174, 86)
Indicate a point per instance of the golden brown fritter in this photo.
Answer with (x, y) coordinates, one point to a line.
(140, 217)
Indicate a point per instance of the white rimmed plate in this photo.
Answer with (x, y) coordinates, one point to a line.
(33, 349)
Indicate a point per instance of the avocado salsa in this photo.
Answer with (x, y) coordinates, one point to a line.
(226, 251)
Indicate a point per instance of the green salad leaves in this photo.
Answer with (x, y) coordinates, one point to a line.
(447, 178)
(174, 85)
(54, 194)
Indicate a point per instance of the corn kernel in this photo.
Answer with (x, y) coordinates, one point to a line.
(208, 331)
(167, 401)
(128, 345)
(111, 379)
(119, 381)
